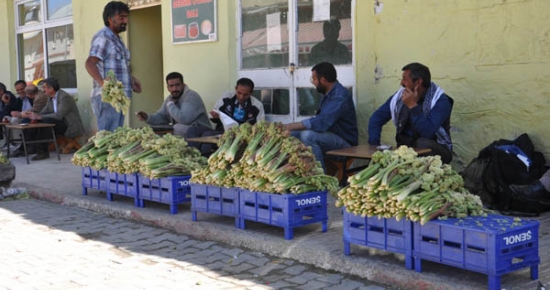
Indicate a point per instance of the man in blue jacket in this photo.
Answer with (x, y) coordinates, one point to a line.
(335, 124)
(420, 111)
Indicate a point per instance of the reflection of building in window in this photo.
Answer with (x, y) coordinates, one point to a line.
(275, 101)
(330, 49)
(56, 56)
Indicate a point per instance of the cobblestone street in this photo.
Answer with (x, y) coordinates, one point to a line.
(49, 246)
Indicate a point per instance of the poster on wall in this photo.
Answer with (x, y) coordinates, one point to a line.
(194, 21)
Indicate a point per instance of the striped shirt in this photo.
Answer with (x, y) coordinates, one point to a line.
(113, 55)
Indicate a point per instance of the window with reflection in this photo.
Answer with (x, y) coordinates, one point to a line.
(264, 42)
(46, 41)
(274, 100)
(31, 55)
(309, 100)
(29, 13)
(61, 58)
(59, 9)
(328, 39)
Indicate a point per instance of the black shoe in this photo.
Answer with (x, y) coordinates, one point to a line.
(41, 156)
(534, 191)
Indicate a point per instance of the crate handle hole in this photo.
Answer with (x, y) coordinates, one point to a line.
(228, 200)
(357, 225)
(452, 244)
(429, 240)
(517, 260)
(395, 232)
(376, 229)
(248, 203)
(476, 249)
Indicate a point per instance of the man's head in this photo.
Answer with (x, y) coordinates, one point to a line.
(2, 89)
(175, 84)
(244, 89)
(31, 91)
(51, 86)
(331, 29)
(416, 74)
(115, 16)
(323, 76)
(20, 88)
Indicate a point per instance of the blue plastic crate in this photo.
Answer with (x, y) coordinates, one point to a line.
(385, 233)
(214, 199)
(92, 178)
(171, 190)
(492, 245)
(284, 210)
(123, 184)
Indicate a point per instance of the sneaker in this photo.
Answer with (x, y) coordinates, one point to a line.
(41, 156)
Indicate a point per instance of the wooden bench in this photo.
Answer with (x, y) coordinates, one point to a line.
(336, 168)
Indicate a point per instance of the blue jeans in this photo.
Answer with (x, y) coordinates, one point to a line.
(107, 117)
(320, 142)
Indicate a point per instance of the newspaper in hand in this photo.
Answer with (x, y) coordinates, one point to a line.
(227, 121)
(113, 93)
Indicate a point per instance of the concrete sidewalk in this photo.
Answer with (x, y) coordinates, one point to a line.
(60, 182)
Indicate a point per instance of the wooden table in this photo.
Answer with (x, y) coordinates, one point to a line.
(364, 151)
(23, 127)
(206, 139)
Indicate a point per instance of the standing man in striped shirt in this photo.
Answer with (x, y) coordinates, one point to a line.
(108, 52)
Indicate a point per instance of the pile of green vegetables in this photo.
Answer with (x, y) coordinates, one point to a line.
(129, 150)
(402, 185)
(264, 157)
(4, 159)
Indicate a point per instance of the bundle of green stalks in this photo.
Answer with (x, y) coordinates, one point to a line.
(129, 150)
(264, 157)
(400, 184)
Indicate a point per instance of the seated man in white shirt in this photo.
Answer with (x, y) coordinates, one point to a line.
(239, 105)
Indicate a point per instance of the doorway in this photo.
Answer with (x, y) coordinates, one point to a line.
(281, 40)
(145, 44)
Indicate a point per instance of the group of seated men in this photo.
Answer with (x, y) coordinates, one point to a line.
(420, 111)
(48, 104)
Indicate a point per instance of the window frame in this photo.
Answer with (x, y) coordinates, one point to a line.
(41, 26)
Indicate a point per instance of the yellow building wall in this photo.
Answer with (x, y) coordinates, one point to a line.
(8, 63)
(209, 68)
(490, 56)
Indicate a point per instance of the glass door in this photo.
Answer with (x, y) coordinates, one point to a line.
(281, 40)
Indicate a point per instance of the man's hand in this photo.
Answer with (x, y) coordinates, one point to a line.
(35, 116)
(141, 115)
(136, 85)
(214, 115)
(294, 126)
(16, 114)
(410, 97)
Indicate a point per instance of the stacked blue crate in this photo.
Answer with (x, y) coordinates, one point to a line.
(492, 245)
(284, 210)
(95, 179)
(216, 200)
(171, 190)
(123, 184)
(385, 233)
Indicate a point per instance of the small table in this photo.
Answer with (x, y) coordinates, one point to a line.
(364, 151)
(23, 127)
(206, 139)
